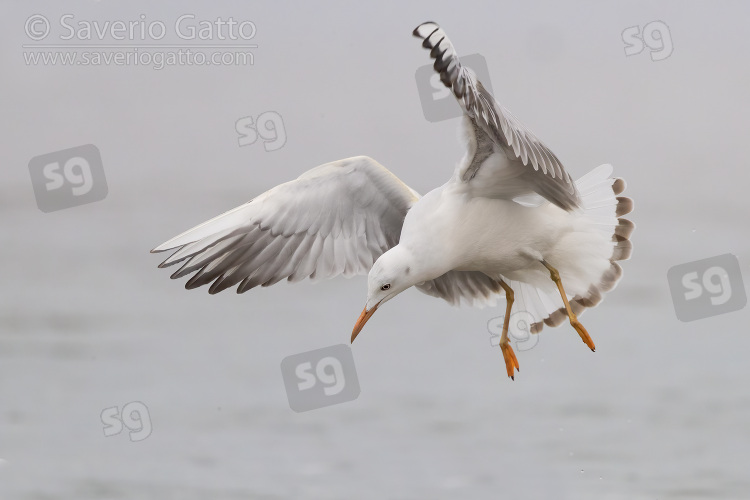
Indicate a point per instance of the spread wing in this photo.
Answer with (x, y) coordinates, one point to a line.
(514, 161)
(335, 219)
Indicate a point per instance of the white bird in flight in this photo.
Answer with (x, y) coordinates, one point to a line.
(510, 221)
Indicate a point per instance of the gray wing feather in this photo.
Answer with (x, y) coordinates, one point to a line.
(494, 129)
(472, 287)
(335, 219)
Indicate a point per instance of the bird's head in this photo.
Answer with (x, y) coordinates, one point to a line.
(391, 274)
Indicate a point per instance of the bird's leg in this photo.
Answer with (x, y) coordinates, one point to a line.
(571, 315)
(508, 354)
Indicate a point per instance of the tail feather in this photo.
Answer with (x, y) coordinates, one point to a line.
(603, 209)
(624, 228)
(619, 186)
(624, 206)
(623, 249)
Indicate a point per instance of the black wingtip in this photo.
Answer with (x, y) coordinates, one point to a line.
(416, 30)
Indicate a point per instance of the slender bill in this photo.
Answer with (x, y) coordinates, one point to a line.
(362, 320)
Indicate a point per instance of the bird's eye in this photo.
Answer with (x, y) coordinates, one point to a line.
(385, 287)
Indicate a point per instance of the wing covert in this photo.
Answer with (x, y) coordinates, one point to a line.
(335, 219)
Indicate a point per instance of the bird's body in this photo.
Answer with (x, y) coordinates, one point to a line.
(490, 235)
(509, 219)
(448, 229)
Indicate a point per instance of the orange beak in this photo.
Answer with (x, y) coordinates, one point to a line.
(362, 320)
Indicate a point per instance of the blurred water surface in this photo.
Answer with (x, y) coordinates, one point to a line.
(87, 322)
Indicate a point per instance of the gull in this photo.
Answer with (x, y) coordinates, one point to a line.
(510, 222)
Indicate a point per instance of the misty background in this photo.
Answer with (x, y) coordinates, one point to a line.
(87, 321)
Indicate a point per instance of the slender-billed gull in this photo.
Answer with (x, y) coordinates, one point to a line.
(510, 222)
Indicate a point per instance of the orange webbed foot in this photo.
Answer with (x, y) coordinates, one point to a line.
(511, 361)
(583, 333)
